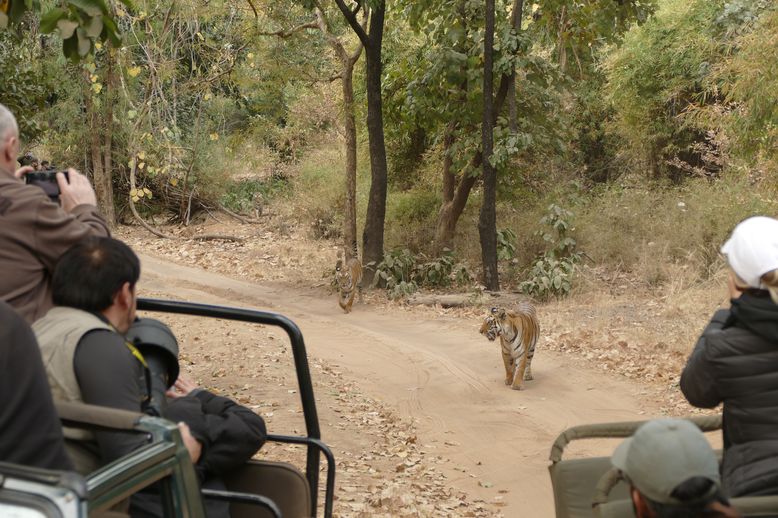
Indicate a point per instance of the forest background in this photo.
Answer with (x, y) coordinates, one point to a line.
(627, 135)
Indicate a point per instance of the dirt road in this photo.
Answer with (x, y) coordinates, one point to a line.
(444, 375)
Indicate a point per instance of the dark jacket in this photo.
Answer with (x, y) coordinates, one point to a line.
(34, 233)
(230, 435)
(735, 362)
(30, 431)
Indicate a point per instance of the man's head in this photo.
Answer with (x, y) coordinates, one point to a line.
(99, 275)
(671, 468)
(9, 140)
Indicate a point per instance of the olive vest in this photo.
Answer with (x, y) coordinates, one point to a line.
(58, 334)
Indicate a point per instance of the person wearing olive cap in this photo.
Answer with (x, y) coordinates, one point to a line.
(672, 472)
(735, 361)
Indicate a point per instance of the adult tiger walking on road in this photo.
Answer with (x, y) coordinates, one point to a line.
(518, 331)
(348, 275)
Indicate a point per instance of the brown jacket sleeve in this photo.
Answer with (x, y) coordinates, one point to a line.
(56, 230)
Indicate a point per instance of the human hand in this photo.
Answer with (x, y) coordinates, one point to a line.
(193, 446)
(182, 387)
(734, 291)
(19, 173)
(78, 192)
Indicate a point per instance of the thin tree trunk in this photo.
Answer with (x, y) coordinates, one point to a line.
(373, 235)
(109, 210)
(451, 211)
(347, 62)
(104, 197)
(350, 127)
(487, 222)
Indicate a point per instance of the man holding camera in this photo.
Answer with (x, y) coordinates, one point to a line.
(35, 230)
(95, 351)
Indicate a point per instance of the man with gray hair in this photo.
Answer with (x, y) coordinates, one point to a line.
(35, 231)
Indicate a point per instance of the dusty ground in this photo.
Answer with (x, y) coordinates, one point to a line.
(411, 399)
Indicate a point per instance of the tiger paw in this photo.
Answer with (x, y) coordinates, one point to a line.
(528, 377)
(517, 387)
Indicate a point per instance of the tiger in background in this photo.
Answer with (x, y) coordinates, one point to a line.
(518, 331)
(348, 276)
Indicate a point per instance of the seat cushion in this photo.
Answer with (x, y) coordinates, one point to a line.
(279, 481)
(574, 482)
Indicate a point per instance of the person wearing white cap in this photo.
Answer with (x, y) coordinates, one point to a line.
(672, 472)
(735, 361)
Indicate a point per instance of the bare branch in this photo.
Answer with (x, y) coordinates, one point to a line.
(351, 18)
(256, 14)
(285, 34)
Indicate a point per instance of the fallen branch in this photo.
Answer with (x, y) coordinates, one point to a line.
(240, 218)
(215, 237)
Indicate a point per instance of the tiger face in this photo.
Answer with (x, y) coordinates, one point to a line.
(491, 327)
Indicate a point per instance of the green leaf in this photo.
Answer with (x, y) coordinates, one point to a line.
(91, 7)
(84, 43)
(66, 28)
(111, 31)
(94, 27)
(50, 19)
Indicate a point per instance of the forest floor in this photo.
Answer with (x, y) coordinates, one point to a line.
(411, 398)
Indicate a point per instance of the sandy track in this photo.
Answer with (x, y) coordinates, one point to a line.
(443, 374)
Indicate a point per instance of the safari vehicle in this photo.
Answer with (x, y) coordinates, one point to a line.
(590, 486)
(258, 489)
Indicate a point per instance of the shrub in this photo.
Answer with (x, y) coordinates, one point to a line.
(552, 273)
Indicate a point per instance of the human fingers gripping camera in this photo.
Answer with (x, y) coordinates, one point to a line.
(70, 187)
(75, 190)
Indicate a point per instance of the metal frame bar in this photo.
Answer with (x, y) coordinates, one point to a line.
(313, 439)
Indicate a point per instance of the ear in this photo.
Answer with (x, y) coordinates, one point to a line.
(494, 311)
(641, 506)
(124, 297)
(8, 149)
(501, 314)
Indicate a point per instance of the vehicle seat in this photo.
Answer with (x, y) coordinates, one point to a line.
(279, 481)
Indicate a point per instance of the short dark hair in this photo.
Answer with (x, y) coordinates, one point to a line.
(90, 273)
(695, 495)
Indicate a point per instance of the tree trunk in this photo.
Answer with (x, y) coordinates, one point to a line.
(373, 235)
(350, 127)
(451, 211)
(487, 222)
(108, 208)
(104, 197)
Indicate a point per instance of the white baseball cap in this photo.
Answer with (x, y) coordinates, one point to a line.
(752, 249)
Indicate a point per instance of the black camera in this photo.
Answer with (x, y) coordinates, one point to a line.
(46, 180)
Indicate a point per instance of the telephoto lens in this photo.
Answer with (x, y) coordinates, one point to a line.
(159, 348)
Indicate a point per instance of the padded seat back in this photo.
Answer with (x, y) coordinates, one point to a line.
(279, 481)
(574, 482)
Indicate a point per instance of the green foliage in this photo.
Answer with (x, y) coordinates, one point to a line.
(402, 273)
(80, 23)
(24, 84)
(695, 69)
(395, 272)
(251, 194)
(552, 273)
(749, 83)
(506, 244)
